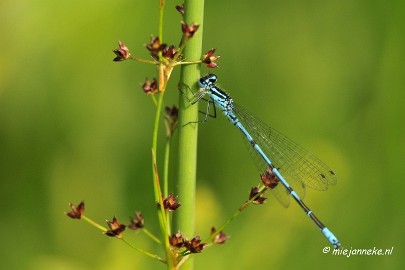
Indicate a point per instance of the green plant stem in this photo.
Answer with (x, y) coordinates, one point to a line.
(161, 12)
(166, 179)
(95, 224)
(166, 168)
(154, 144)
(156, 185)
(143, 60)
(187, 148)
(151, 235)
(236, 214)
(187, 63)
(154, 256)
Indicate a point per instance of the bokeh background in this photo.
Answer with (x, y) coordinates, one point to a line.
(76, 126)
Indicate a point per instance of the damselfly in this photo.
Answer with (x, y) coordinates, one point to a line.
(273, 152)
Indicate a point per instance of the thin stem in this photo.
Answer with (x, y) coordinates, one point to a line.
(154, 144)
(161, 12)
(187, 153)
(236, 214)
(156, 184)
(143, 60)
(182, 261)
(154, 100)
(95, 224)
(151, 235)
(187, 63)
(166, 168)
(182, 45)
(166, 179)
(162, 216)
(154, 256)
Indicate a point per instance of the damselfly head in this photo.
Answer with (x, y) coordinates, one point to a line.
(208, 80)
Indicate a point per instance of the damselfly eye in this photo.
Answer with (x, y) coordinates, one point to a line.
(212, 78)
(202, 83)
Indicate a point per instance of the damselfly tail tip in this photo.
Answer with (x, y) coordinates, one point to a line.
(331, 237)
(336, 245)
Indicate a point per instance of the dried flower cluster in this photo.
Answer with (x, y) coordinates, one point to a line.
(170, 203)
(256, 196)
(194, 245)
(116, 228)
(77, 210)
(269, 179)
(165, 56)
(122, 53)
(137, 222)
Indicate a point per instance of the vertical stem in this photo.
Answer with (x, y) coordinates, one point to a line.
(166, 169)
(187, 154)
(161, 11)
(156, 187)
(154, 144)
(166, 180)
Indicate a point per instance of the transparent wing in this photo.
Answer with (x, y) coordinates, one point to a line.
(293, 161)
(279, 192)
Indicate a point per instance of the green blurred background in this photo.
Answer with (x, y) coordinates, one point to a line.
(76, 126)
